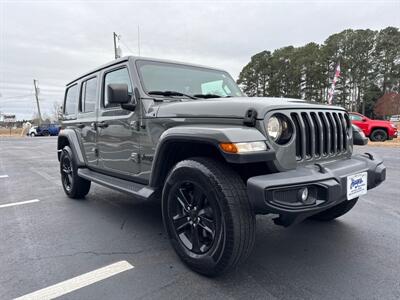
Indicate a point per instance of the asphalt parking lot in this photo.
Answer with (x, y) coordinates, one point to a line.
(49, 239)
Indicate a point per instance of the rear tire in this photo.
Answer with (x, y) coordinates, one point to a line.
(207, 216)
(336, 211)
(32, 134)
(74, 186)
(378, 135)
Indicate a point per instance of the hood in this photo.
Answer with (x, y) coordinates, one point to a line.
(381, 122)
(235, 107)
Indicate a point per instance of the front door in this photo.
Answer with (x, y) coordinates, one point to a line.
(358, 121)
(117, 139)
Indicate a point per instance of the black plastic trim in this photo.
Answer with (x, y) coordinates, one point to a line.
(330, 176)
(136, 189)
(73, 143)
(160, 159)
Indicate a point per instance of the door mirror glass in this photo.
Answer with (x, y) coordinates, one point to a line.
(118, 93)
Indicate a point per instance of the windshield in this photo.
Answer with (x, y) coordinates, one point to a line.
(189, 80)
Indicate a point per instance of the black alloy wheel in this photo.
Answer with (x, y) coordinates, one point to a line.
(379, 135)
(196, 220)
(66, 173)
(207, 215)
(74, 186)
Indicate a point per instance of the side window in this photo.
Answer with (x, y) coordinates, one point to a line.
(71, 100)
(88, 95)
(117, 76)
(355, 118)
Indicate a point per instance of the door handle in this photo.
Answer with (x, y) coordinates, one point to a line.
(102, 124)
(80, 125)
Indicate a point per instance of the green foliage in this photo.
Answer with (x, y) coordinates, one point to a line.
(369, 60)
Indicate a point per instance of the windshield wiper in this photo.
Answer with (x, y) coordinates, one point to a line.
(206, 96)
(170, 93)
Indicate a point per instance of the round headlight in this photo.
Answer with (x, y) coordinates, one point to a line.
(274, 128)
(279, 128)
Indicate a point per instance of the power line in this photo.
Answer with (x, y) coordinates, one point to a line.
(123, 43)
(138, 39)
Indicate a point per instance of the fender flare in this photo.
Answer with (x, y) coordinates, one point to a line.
(73, 142)
(211, 135)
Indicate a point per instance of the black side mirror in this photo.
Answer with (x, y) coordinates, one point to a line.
(135, 99)
(364, 119)
(118, 93)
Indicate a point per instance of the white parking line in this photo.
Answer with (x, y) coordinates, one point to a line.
(78, 282)
(3, 176)
(19, 203)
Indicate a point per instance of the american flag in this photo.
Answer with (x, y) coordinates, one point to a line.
(335, 79)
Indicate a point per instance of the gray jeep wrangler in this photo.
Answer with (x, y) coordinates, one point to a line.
(187, 136)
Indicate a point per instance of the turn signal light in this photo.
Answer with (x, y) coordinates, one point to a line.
(243, 147)
(229, 147)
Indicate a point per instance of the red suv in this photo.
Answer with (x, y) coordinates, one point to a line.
(376, 130)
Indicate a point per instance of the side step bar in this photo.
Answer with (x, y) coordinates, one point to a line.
(136, 189)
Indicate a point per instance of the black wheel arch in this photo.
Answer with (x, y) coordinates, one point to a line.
(69, 138)
(381, 128)
(171, 150)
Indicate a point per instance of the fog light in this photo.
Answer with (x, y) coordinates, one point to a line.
(303, 194)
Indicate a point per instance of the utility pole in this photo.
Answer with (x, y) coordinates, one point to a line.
(37, 99)
(117, 51)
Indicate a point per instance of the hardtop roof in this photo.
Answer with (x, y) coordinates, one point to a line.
(135, 58)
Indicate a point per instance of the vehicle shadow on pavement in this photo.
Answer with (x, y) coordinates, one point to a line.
(291, 261)
(301, 261)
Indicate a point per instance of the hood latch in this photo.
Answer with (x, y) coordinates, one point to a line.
(250, 117)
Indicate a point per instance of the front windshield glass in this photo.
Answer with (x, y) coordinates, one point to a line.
(189, 80)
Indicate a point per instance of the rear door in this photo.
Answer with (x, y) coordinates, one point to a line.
(117, 140)
(87, 117)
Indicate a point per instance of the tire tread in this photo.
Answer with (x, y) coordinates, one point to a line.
(238, 211)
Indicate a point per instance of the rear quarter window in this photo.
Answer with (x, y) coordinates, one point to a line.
(71, 100)
(89, 95)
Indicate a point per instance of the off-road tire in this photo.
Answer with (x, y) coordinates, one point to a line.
(378, 135)
(336, 211)
(223, 188)
(74, 186)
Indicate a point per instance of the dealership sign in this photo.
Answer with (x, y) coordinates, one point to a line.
(9, 118)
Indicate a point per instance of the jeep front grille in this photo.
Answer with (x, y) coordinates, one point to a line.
(320, 134)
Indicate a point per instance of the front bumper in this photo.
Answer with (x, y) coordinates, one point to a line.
(327, 182)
